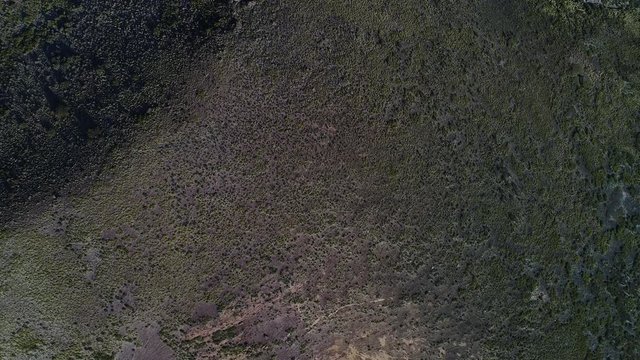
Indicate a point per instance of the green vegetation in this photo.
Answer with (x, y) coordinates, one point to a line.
(75, 76)
(25, 340)
(225, 334)
(376, 179)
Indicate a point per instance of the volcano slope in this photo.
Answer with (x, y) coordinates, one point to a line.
(358, 180)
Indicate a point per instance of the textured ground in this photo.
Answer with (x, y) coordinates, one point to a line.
(353, 180)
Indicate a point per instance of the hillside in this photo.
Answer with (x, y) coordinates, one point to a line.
(320, 180)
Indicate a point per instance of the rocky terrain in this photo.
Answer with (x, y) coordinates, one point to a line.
(320, 180)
